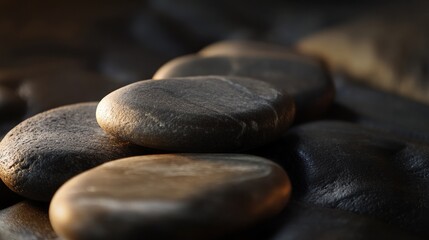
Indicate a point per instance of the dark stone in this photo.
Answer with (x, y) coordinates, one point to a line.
(304, 79)
(197, 114)
(26, 220)
(183, 196)
(349, 167)
(302, 221)
(41, 153)
(7, 197)
(377, 109)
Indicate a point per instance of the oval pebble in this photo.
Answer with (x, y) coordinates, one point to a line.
(303, 78)
(170, 196)
(197, 114)
(41, 153)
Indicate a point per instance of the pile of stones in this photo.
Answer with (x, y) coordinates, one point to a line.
(242, 140)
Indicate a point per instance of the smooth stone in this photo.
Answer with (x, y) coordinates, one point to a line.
(170, 196)
(41, 153)
(26, 220)
(352, 168)
(197, 114)
(373, 108)
(385, 49)
(303, 78)
(300, 221)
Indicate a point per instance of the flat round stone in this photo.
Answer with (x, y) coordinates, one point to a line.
(303, 78)
(41, 153)
(197, 114)
(170, 196)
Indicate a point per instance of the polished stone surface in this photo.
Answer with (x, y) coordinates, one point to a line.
(197, 114)
(41, 153)
(303, 78)
(171, 196)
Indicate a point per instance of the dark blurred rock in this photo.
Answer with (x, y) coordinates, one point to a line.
(388, 49)
(378, 109)
(7, 197)
(26, 220)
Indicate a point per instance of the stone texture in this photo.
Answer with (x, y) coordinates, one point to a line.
(170, 196)
(41, 153)
(352, 168)
(378, 109)
(386, 49)
(304, 79)
(198, 114)
(26, 220)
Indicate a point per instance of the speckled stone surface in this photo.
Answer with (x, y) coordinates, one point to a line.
(41, 153)
(197, 114)
(26, 220)
(303, 78)
(170, 196)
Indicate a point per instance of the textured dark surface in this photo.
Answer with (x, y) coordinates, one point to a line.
(183, 196)
(199, 114)
(41, 153)
(345, 166)
(26, 220)
(303, 78)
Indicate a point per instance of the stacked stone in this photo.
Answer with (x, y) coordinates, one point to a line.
(211, 148)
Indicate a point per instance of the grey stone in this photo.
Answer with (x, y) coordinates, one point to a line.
(26, 220)
(170, 196)
(41, 153)
(303, 78)
(197, 114)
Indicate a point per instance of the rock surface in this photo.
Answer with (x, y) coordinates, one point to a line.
(171, 196)
(303, 78)
(197, 114)
(26, 220)
(352, 168)
(41, 153)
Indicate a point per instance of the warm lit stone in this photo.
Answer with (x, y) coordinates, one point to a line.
(198, 114)
(303, 78)
(41, 153)
(171, 196)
